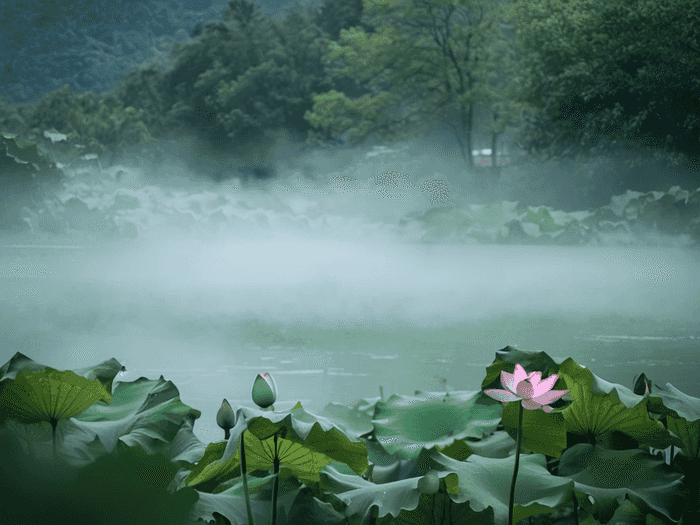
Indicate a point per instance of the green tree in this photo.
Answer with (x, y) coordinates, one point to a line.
(221, 54)
(275, 94)
(438, 59)
(144, 90)
(100, 122)
(335, 15)
(610, 75)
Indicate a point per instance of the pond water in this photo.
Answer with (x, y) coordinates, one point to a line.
(330, 284)
(334, 320)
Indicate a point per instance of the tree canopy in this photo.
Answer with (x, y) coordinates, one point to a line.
(431, 59)
(610, 74)
(573, 78)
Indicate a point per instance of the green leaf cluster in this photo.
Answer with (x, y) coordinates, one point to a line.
(433, 457)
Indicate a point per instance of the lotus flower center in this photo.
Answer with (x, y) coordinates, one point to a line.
(525, 390)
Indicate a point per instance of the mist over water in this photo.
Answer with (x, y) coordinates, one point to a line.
(320, 268)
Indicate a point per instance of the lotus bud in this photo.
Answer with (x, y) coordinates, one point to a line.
(264, 390)
(225, 418)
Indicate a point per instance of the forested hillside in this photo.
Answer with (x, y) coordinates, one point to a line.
(572, 80)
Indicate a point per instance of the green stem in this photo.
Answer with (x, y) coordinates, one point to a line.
(276, 483)
(245, 482)
(54, 422)
(511, 503)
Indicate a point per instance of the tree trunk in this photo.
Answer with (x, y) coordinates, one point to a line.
(495, 163)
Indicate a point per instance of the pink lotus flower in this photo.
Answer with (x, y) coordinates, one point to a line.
(528, 388)
(533, 393)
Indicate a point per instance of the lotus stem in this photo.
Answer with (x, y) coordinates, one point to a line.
(575, 508)
(381, 392)
(245, 481)
(54, 423)
(276, 483)
(511, 502)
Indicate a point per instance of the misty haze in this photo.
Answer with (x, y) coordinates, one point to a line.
(317, 283)
(223, 194)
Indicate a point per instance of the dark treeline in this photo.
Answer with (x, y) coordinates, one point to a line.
(570, 79)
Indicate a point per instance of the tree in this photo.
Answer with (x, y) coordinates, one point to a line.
(335, 15)
(143, 89)
(434, 59)
(220, 55)
(608, 75)
(276, 94)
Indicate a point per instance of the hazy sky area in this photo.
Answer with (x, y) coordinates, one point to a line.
(365, 262)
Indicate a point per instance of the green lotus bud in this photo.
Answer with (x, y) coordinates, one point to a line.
(225, 418)
(264, 390)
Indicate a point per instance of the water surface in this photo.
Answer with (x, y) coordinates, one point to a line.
(333, 320)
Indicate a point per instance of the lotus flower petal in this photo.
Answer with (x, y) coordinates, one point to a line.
(529, 388)
(502, 395)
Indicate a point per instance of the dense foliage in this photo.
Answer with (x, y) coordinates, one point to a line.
(610, 72)
(574, 79)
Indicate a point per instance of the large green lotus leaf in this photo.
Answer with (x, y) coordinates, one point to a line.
(543, 433)
(660, 210)
(359, 495)
(597, 414)
(354, 421)
(444, 222)
(493, 214)
(306, 442)
(318, 433)
(17, 363)
(213, 453)
(105, 372)
(230, 502)
(582, 375)
(405, 424)
(611, 476)
(669, 400)
(439, 508)
(295, 460)
(543, 219)
(143, 413)
(49, 395)
(220, 460)
(37, 440)
(482, 483)
(498, 445)
(506, 359)
(689, 434)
